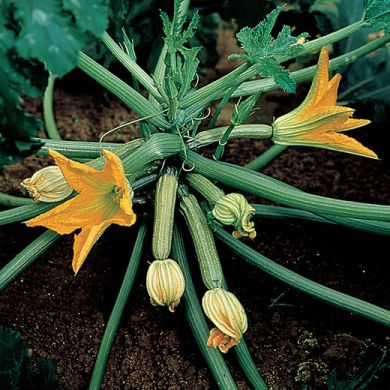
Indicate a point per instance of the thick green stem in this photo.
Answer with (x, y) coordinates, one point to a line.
(196, 318)
(305, 285)
(84, 149)
(117, 311)
(48, 109)
(277, 191)
(269, 84)
(266, 157)
(277, 212)
(124, 92)
(14, 201)
(26, 257)
(253, 131)
(136, 71)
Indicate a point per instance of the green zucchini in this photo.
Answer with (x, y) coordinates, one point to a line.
(164, 211)
(206, 251)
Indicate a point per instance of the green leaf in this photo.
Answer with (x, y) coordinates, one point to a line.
(374, 374)
(16, 370)
(378, 14)
(175, 36)
(189, 68)
(91, 15)
(49, 35)
(262, 48)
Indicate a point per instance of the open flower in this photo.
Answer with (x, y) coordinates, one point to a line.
(226, 312)
(318, 121)
(104, 198)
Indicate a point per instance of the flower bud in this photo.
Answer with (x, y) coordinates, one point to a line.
(234, 209)
(48, 185)
(165, 283)
(228, 315)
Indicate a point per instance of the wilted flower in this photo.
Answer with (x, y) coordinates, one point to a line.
(104, 198)
(228, 315)
(318, 121)
(47, 185)
(234, 209)
(165, 283)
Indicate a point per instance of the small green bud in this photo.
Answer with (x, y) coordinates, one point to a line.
(234, 209)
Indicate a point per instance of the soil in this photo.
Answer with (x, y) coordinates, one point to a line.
(294, 340)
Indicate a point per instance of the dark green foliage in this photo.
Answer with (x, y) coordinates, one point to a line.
(374, 375)
(378, 14)
(262, 48)
(16, 368)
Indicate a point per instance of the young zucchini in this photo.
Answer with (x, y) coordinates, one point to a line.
(164, 210)
(206, 252)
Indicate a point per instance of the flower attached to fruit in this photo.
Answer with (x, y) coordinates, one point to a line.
(104, 198)
(318, 121)
(234, 209)
(165, 283)
(47, 185)
(228, 315)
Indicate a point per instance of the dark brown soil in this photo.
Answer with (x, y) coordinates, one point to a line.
(293, 339)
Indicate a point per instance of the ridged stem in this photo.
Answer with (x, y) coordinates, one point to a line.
(14, 201)
(48, 109)
(205, 187)
(277, 212)
(123, 91)
(117, 311)
(305, 285)
(249, 367)
(26, 257)
(136, 71)
(196, 318)
(83, 149)
(253, 131)
(272, 189)
(266, 157)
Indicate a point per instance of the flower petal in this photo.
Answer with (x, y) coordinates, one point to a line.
(84, 241)
(81, 177)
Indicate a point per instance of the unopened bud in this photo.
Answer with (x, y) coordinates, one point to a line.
(165, 283)
(47, 185)
(234, 209)
(228, 315)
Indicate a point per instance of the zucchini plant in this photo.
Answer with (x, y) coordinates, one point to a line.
(165, 167)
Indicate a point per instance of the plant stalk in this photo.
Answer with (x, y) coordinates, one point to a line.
(305, 285)
(117, 311)
(48, 109)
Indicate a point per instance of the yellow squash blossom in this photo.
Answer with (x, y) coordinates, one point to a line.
(318, 121)
(104, 198)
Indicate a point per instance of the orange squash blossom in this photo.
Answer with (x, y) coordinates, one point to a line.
(104, 198)
(318, 121)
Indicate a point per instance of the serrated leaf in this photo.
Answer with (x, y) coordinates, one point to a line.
(91, 15)
(378, 14)
(270, 68)
(189, 68)
(175, 36)
(262, 48)
(48, 35)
